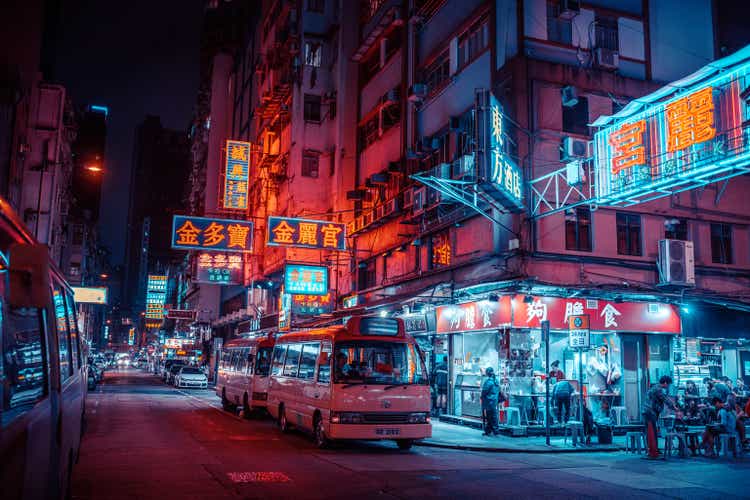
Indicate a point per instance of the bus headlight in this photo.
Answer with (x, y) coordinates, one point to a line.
(346, 417)
(419, 418)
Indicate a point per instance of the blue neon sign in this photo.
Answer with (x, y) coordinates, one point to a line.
(502, 177)
(305, 279)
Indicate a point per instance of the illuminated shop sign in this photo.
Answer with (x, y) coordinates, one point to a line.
(310, 305)
(285, 311)
(202, 233)
(219, 268)
(529, 311)
(90, 294)
(182, 314)
(289, 232)
(677, 143)
(301, 279)
(481, 315)
(236, 175)
(502, 177)
(131, 336)
(156, 294)
(350, 301)
(441, 249)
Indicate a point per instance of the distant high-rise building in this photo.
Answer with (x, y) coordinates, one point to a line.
(161, 166)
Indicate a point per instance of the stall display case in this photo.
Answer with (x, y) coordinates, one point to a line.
(468, 394)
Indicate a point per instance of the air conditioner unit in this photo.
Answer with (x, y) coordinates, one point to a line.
(417, 92)
(359, 223)
(569, 96)
(606, 58)
(390, 208)
(569, 9)
(676, 263)
(408, 196)
(442, 171)
(434, 197)
(573, 148)
(574, 173)
(419, 198)
(378, 213)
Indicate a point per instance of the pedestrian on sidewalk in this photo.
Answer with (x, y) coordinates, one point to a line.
(561, 394)
(656, 398)
(491, 398)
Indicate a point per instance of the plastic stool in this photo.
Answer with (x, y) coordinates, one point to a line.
(541, 415)
(669, 438)
(512, 414)
(635, 442)
(725, 439)
(619, 415)
(574, 429)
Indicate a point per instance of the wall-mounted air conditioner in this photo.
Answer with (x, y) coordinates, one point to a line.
(573, 148)
(390, 208)
(606, 58)
(408, 197)
(569, 96)
(419, 199)
(676, 263)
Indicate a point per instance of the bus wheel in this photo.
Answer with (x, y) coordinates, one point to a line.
(247, 412)
(225, 404)
(283, 424)
(321, 441)
(404, 444)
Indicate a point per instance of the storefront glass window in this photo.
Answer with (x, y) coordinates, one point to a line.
(472, 354)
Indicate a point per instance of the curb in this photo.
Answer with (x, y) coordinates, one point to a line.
(437, 444)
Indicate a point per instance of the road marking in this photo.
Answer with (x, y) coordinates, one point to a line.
(258, 477)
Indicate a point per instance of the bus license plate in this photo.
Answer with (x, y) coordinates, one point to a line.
(387, 432)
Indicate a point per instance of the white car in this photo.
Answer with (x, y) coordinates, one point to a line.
(190, 376)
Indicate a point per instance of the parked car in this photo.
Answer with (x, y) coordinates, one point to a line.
(166, 366)
(173, 371)
(191, 376)
(91, 378)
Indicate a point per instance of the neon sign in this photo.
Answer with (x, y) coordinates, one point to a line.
(289, 232)
(201, 233)
(236, 175)
(301, 279)
(688, 134)
(307, 305)
(502, 177)
(219, 268)
(156, 295)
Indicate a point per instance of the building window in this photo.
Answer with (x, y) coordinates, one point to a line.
(578, 230)
(721, 243)
(629, 234)
(316, 5)
(606, 33)
(310, 164)
(312, 108)
(473, 42)
(558, 30)
(367, 274)
(437, 73)
(313, 53)
(676, 229)
(576, 118)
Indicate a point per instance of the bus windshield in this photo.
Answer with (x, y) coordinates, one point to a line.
(371, 362)
(263, 361)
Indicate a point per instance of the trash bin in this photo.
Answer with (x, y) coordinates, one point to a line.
(604, 434)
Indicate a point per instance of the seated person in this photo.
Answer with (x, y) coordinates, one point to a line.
(691, 390)
(343, 368)
(726, 421)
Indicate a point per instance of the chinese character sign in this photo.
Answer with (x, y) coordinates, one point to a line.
(219, 268)
(503, 174)
(302, 279)
(236, 175)
(156, 294)
(481, 315)
(214, 235)
(441, 249)
(578, 331)
(307, 305)
(674, 143)
(286, 231)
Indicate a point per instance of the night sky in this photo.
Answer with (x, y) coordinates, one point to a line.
(138, 57)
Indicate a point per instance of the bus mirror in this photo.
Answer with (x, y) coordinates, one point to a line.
(29, 275)
(323, 358)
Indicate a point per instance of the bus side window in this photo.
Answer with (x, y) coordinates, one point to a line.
(63, 339)
(75, 346)
(324, 369)
(249, 358)
(279, 353)
(23, 366)
(307, 361)
(291, 365)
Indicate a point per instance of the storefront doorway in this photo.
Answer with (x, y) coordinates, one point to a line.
(634, 374)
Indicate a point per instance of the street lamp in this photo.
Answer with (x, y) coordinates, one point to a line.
(94, 167)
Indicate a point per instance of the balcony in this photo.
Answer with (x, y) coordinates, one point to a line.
(275, 91)
(377, 16)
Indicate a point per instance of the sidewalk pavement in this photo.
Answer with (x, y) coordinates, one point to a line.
(445, 435)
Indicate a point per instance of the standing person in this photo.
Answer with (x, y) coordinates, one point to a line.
(561, 395)
(656, 397)
(441, 386)
(490, 400)
(556, 373)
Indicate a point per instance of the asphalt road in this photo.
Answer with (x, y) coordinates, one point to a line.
(148, 440)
